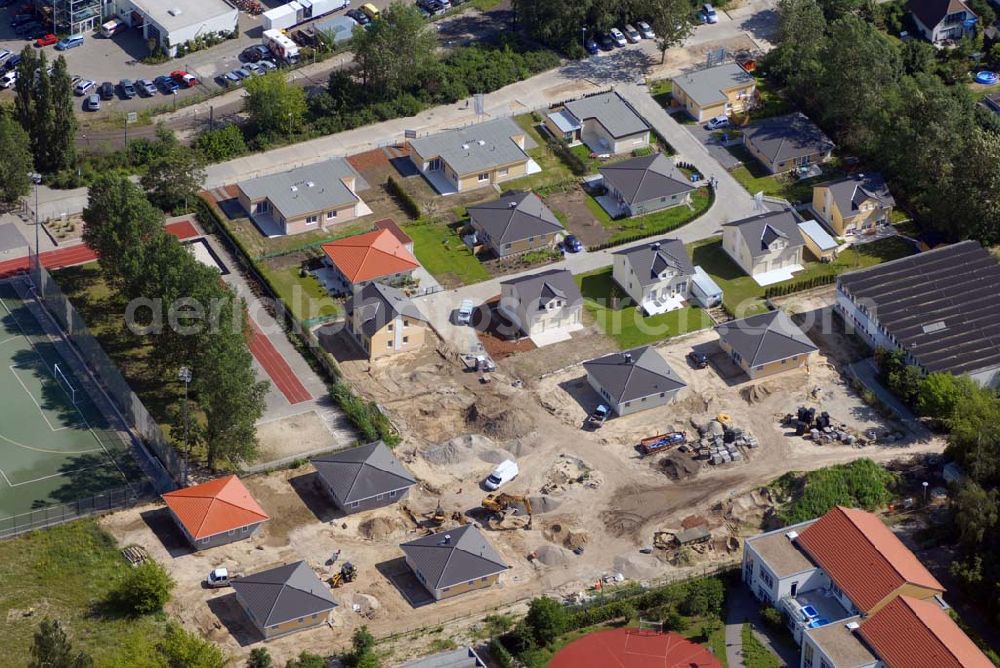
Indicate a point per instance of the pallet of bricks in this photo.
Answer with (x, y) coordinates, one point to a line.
(722, 443)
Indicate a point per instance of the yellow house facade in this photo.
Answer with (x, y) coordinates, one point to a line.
(858, 204)
(384, 321)
(717, 91)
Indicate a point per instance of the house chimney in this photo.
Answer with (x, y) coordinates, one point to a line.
(447, 538)
(655, 246)
(852, 626)
(792, 535)
(628, 358)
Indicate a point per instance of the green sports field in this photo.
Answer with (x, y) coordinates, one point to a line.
(56, 447)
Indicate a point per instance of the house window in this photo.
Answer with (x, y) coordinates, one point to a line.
(389, 327)
(807, 654)
(506, 246)
(353, 504)
(406, 323)
(784, 361)
(531, 239)
(392, 494)
(330, 215)
(446, 589)
(485, 176)
(502, 172)
(380, 497)
(231, 532)
(483, 579)
(388, 344)
(301, 619)
(406, 339)
(245, 529)
(663, 394)
(203, 541)
(315, 616)
(766, 577)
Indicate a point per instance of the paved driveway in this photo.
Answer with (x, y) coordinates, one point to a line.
(711, 144)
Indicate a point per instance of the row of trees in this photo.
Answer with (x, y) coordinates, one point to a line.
(196, 321)
(43, 104)
(889, 104)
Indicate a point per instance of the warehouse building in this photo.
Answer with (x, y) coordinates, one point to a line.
(171, 23)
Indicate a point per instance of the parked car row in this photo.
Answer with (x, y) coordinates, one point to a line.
(127, 89)
(606, 41)
(431, 8)
(257, 59)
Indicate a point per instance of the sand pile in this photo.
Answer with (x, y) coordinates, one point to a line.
(497, 417)
(379, 528)
(543, 504)
(637, 566)
(365, 604)
(567, 536)
(755, 393)
(458, 450)
(569, 470)
(495, 456)
(680, 466)
(553, 555)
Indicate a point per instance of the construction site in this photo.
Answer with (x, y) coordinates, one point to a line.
(658, 494)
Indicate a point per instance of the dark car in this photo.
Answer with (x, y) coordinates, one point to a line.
(166, 84)
(107, 90)
(12, 62)
(128, 88)
(591, 45)
(146, 87)
(21, 19)
(252, 54)
(604, 39)
(698, 360)
(359, 16)
(572, 244)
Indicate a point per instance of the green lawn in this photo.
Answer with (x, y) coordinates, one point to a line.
(304, 296)
(773, 102)
(755, 654)
(626, 325)
(66, 573)
(554, 170)
(658, 222)
(258, 246)
(744, 297)
(443, 254)
(662, 91)
(755, 178)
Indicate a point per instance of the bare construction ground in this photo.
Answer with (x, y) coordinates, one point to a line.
(597, 503)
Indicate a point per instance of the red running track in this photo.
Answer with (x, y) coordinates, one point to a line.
(81, 254)
(276, 367)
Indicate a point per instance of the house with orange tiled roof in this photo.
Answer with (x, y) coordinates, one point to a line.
(216, 512)
(380, 255)
(854, 596)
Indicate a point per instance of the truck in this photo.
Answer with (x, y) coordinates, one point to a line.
(648, 446)
(281, 46)
(112, 27)
(598, 417)
(464, 314)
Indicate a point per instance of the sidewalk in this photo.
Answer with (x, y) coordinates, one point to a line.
(742, 607)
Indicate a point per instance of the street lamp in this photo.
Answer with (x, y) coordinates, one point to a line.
(36, 178)
(184, 374)
(925, 484)
(583, 32)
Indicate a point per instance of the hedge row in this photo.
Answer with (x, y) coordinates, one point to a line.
(406, 201)
(645, 235)
(572, 160)
(798, 286)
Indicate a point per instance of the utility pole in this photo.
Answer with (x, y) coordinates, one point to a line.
(184, 374)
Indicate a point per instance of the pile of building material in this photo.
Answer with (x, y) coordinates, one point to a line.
(721, 443)
(821, 429)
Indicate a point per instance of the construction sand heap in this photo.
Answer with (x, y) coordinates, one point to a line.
(543, 504)
(553, 555)
(463, 448)
(637, 566)
(567, 536)
(380, 528)
(365, 604)
(498, 418)
(569, 470)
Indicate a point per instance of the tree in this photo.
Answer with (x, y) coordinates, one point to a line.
(182, 649)
(918, 56)
(906, 383)
(60, 144)
(941, 393)
(705, 597)
(307, 660)
(24, 88)
(547, 619)
(392, 54)
(144, 589)
(275, 106)
(977, 513)
(259, 658)
(15, 147)
(52, 649)
(221, 144)
(174, 178)
(671, 21)
(975, 436)
(975, 189)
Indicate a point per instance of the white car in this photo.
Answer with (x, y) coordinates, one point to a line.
(219, 577)
(8, 79)
(645, 30)
(708, 12)
(631, 34)
(501, 475)
(84, 87)
(617, 37)
(464, 313)
(718, 122)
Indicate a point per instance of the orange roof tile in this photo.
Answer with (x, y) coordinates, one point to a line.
(214, 507)
(390, 224)
(862, 556)
(364, 257)
(910, 633)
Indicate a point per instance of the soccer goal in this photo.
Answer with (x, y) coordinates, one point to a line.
(67, 386)
(650, 627)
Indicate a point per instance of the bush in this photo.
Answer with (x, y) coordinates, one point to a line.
(547, 619)
(500, 654)
(181, 648)
(860, 484)
(572, 160)
(705, 596)
(772, 617)
(143, 590)
(259, 658)
(405, 199)
(307, 660)
(798, 286)
(364, 415)
(222, 144)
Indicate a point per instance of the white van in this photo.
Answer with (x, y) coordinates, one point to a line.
(502, 474)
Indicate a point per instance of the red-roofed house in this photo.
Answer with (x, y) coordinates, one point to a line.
(911, 633)
(379, 255)
(216, 512)
(845, 579)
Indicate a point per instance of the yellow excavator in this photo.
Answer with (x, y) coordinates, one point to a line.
(348, 573)
(505, 507)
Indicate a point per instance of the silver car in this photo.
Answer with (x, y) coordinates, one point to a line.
(93, 102)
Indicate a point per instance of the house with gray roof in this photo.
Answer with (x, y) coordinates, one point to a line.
(765, 344)
(384, 321)
(714, 91)
(633, 380)
(784, 143)
(656, 276)
(548, 301)
(284, 599)
(477, 156)
(363, 478)
(454, 561)
(605, 122)
(312, 197)
(463, 657)
(767, 246)
(646, 184)
(858, 204)
(515, 223)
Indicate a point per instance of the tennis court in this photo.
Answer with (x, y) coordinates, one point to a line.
(56, 446)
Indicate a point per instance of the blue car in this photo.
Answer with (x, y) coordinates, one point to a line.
(571, 244)
(591, 46)
(167, 85)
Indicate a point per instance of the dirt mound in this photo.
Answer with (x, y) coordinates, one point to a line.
(497, 417)
(568, 470)
(567, 536)
(543, 504)
(495, 456)
(458, 450)
(553, 555)
(637, 566)
(380, 528)
(755, 393)
(365, 604)
(680, 466)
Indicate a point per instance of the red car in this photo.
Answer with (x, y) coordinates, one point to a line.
(183, 78)
(47, 40)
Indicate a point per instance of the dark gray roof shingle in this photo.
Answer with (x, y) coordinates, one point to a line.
(282, 594)
(646, 178)
(611, 111)
(363, 472)
(650, 261)
(515, 216)
(379, 304)
(850, 193)
(942, 306)
(783, 138)
(633, 374)
(765, 338)
(760, 230)
(454, 556)
(540, 288)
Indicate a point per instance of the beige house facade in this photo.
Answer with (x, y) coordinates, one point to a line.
(716, 91)
(859, 204)
(764, 243)
(384, 321)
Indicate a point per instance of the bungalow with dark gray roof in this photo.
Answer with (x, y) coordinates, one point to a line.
(633, 380)
(542, 302)
(784, 143)
(605, 122)
(656, 276)
(859, 203)
(516, 223)
(454, 561)
(767, 246)
(363, 478)
(765, 344)
(284, 600)
(646, 184)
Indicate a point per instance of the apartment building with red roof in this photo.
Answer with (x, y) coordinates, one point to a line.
(854, 596)
(216, 512)
(380, 255)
